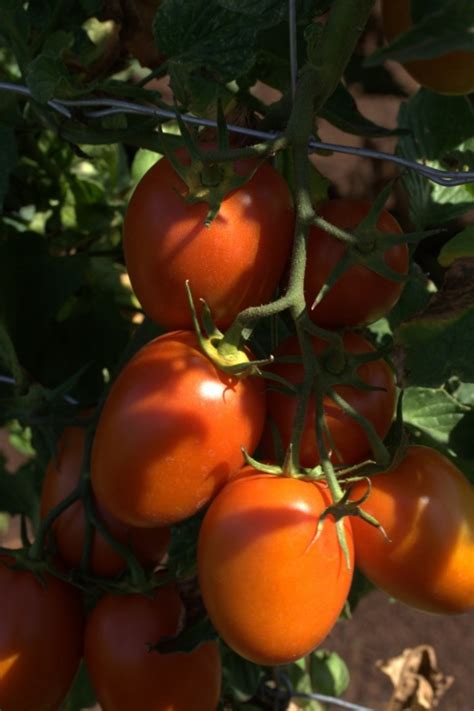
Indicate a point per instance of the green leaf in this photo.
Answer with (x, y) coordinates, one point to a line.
(302, 684)
(329, 673)
(19, 492)
(432, 411)
(439, 344)
(415, 297)
(266, 12)
(448, 27)
(438, 123)
(142, 162)
(465, 393)
(240, 677)
(462, 245)
(81, 694)
(182, 548)
(204, 35)
(341, 111)
(441, 129)
(8, 160)
(46, 73)
(15, 28)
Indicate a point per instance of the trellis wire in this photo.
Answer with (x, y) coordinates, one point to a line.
(293, 46)
(11, 381)
(286, 692)
(118, 106)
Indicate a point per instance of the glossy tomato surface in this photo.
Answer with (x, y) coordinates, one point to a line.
(359, 296)
(272, 589)
(127, 676)
(426, 506)
(171, 432)
(235, 262)
(62, 475)
(349, 442)
(41, 633)
(450, 73)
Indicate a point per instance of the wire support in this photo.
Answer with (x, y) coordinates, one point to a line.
(111, 107)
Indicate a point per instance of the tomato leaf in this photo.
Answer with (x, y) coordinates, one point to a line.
(182, 548)
(437, 419)
(267, 12)
(329, 673)
(302, 684)
(203, 34)
(341, 110)
(447, 28)
(8, 159)
(462, 245)
(240, 677)
(19, 492)
(445, 331)
(432, 411)
(81, 694)
(46, 74)
(441, 136)
(14, 28)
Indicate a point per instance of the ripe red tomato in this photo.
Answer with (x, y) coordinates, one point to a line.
(126, 675)
(359, 296)
(350, 441)
(62, 475)
(450, 73)
(427, 509)
(41, 630)
(234, 263)
(171, 432)
(272, 590)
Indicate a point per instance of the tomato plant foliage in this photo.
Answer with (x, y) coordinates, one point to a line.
(100, 228)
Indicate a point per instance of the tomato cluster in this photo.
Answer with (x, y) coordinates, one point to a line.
(274, 558)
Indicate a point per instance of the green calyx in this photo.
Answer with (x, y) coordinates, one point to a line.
(367, 245)
(207, 181)
(225, 354)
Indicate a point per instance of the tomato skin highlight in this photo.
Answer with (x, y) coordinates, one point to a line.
(128, 677)
(272, 590)
(449, 73)
(62, 475)
(41, 633)
(360, 296)
(171, 432)
(426, 506)
(234, 263)
(350, 441)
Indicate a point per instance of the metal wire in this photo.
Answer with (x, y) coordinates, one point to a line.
(11, 381)
(115, 106)
(293, 45)
(289, 691)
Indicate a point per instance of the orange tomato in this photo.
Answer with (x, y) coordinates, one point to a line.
(272, 588)
(426, 506)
